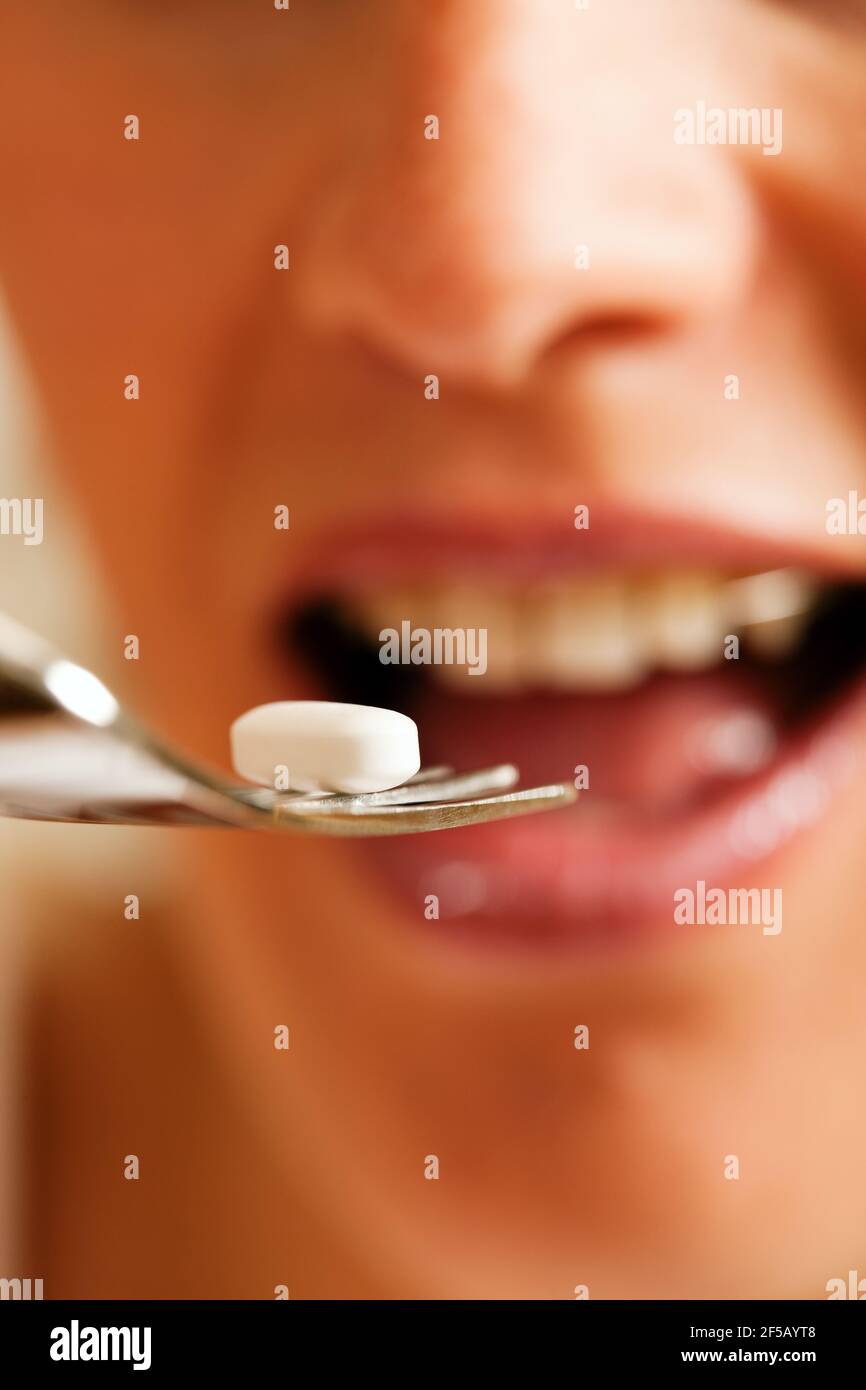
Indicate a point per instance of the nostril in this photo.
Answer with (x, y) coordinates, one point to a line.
(610, 331)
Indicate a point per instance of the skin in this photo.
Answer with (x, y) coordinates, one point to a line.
(305, 388)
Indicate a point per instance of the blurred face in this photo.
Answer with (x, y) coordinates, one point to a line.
(566, 366)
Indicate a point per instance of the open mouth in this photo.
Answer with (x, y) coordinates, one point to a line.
(696, 710)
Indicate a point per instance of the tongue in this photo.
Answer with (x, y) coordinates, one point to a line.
(663, 746)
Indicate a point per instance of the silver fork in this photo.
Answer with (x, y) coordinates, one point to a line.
(70, 752)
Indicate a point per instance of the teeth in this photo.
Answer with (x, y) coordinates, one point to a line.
(684, 620)
(601, 632)
(583, 635)
(771, 596)
(495, 613)
(774, 608)
(454, 609)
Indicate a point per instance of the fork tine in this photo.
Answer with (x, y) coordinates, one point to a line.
(408, 819)
(430, 774)
(453, 788)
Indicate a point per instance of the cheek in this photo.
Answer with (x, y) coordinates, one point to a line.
(150, 257)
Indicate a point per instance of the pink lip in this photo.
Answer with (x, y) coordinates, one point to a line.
(570, 877)
(562, 879)
(408, 545)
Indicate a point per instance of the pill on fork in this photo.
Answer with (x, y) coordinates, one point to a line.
(323, 746)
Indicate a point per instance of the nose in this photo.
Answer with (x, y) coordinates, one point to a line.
(554, 206)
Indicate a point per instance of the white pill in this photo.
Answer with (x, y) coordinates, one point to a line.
(319, 746)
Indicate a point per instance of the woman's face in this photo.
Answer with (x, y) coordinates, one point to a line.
(669, 334)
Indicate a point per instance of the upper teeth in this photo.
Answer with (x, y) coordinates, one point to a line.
(603, 632)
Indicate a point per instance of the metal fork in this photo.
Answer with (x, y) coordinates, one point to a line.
(70, 752)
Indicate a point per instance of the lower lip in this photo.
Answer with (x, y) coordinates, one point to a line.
(577, 879)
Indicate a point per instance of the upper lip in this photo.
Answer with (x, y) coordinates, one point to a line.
(433, 545)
